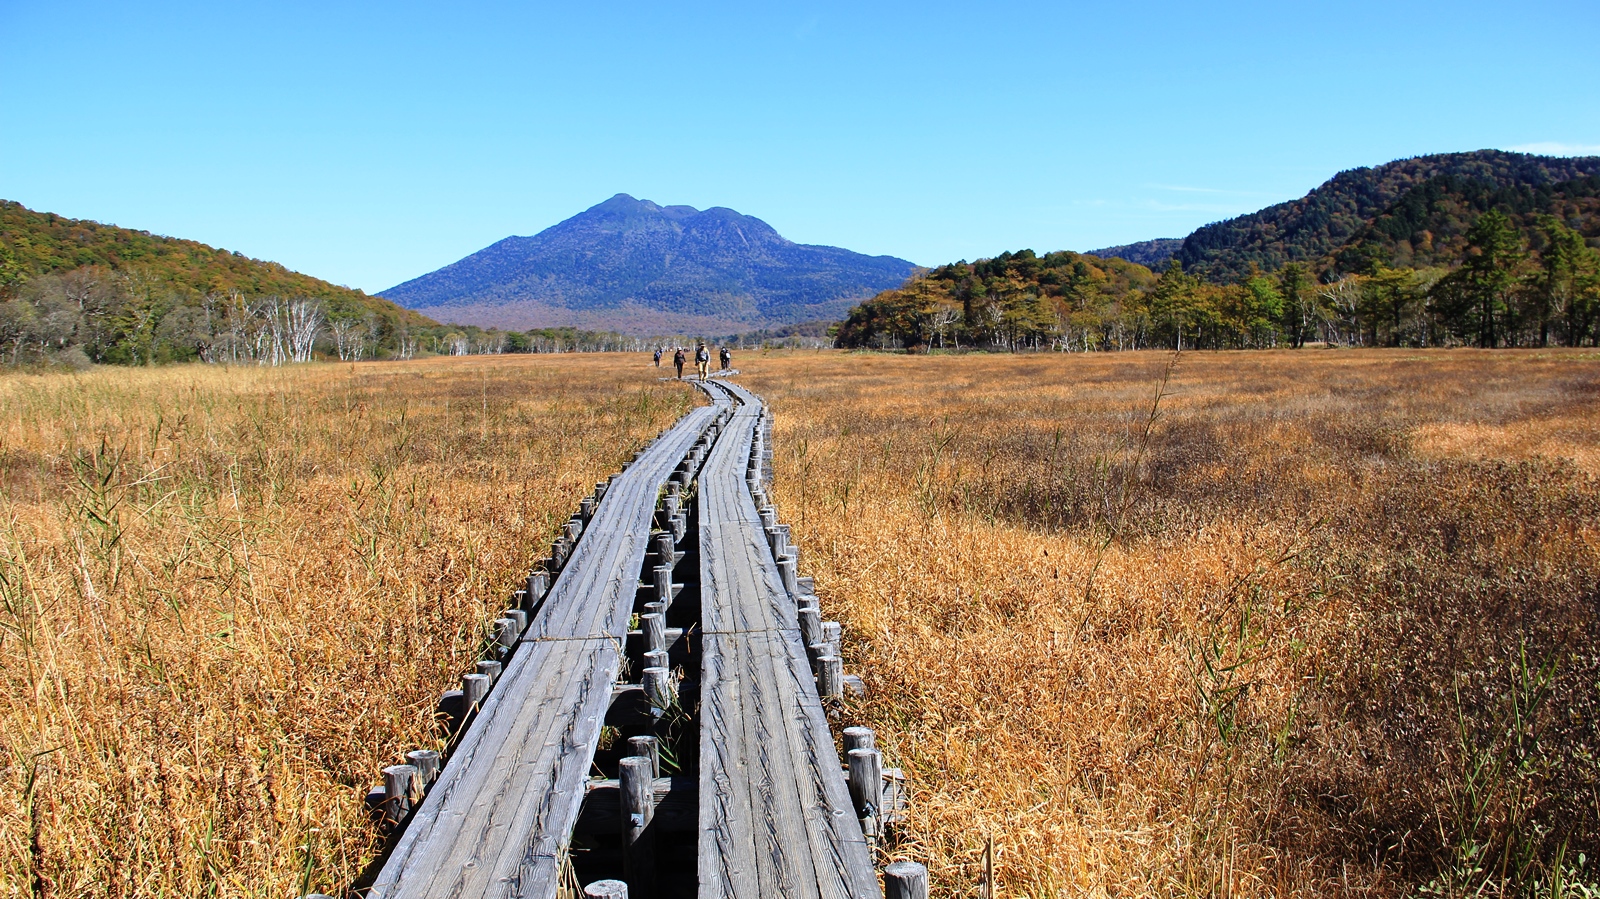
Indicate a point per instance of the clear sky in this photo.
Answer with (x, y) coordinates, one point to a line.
(370, 143)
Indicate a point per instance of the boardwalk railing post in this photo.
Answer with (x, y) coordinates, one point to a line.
(905, 880)
(866, 788)
(490, 669)
(638, 792)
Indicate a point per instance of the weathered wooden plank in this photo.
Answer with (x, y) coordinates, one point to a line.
(776, 818)
(502, 810)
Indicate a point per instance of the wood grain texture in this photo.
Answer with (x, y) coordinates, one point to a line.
(776, 817)
(502, 811)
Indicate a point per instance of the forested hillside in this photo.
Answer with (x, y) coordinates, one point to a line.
(79, 291)
(1316, 225)
(1492, 249)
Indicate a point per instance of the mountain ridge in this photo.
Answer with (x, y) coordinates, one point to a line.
(708, 270)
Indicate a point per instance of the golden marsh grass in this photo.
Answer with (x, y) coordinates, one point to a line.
(232, 595)
(1247, 640)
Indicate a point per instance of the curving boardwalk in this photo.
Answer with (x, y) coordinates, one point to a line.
(776, 817)
(504, 807)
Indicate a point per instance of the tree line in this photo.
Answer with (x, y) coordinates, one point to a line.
(1512, 287)
(95, 315)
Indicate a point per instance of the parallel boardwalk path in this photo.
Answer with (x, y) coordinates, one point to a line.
(772, 812)
(504, 807)
(776, 817)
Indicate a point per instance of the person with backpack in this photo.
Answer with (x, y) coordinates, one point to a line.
(658, 357)
(727, 358)
(678, 359)
(702, 360)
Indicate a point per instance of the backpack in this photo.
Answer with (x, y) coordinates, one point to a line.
(702, 355)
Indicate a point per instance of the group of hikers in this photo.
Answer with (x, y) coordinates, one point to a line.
(702, 359)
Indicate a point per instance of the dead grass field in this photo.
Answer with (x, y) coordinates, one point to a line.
(1266, 641)
(231, 596)
(1316, 622)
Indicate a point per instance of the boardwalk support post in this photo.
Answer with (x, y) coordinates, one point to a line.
(637, 782)
(426, 761)
(608, 889)
(866, 788)
(905, 880)
(399, 785)
(650, 748)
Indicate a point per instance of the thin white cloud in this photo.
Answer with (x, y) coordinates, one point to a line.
(1190, 190)
(1557, 148)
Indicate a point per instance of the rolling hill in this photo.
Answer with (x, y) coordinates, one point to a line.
(632, 266)
(1316, 226)
(42, 243)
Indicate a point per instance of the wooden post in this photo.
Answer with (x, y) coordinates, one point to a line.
(538, 586)
(656, 658)
(399, 783)
(787, 572)
(866, 787)
(663, 581)
(654, 630)
(610, 889)
(905, 880)
(426, 761)
(859, 738)
(505, 635)
(666, 551)
(519, 616)
(810, 626)
(474, 687)
(830, 677)
(832, 632)
(490, 669)
(657, 683)
(650, 748)
(574, 528)
(453, 708)
(778, 541)
(586, 508)
(637, 781)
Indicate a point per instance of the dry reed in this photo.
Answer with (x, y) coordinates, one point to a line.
(230, 596)
(1251, 638)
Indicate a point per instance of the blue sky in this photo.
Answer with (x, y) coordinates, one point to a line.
(370, 143)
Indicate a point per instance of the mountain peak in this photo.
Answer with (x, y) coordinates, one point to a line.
(631, 265)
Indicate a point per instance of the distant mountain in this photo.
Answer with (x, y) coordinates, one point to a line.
(1320, 223)
(1152, 254)
(635, 267)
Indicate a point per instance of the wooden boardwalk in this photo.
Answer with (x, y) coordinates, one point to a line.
(499, 816)
(771, 812)
(776, 818)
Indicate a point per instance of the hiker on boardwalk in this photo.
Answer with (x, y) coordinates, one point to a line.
(726, 357)
(678, 359)
(702, 360)
(658, 357)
